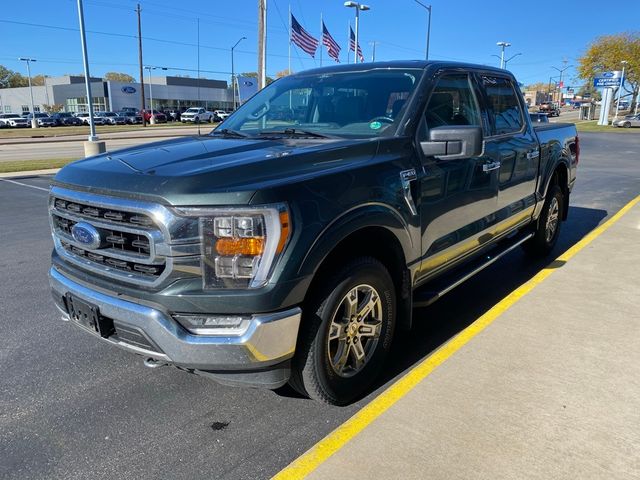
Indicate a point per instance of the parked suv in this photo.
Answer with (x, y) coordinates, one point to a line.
(111, 118)
(43, 119)
(84, 117)
(292, 249)
(196, 115)
(13, 120)
(66, 118)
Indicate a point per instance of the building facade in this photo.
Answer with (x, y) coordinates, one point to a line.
(168, 93)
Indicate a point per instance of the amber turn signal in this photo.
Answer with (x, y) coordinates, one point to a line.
(240, 246)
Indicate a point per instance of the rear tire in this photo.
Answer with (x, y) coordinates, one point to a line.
(548, 228)
(346, 332)
(627, 125)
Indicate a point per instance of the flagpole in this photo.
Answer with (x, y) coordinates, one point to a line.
(348, 40)
(321, 37)
(289, 39)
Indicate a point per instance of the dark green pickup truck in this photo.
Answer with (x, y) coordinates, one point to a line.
(293, 241)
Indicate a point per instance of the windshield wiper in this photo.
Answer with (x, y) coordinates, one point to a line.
(293, 132)
(229, 133)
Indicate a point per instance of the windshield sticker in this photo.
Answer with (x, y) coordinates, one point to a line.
(375, 125)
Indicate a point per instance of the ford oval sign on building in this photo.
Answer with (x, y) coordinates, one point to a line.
(128, 89)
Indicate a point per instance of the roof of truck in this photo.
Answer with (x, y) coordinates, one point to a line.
(356, 67)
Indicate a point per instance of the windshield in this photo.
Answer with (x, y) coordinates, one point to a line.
(343, 104)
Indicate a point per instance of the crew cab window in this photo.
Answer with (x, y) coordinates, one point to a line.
(505, 112)
(452, 102)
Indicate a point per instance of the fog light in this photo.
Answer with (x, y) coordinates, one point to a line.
(224, 325)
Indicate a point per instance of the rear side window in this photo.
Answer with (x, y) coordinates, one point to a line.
(505, 112)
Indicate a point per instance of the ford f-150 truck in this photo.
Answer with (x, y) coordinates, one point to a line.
(291, 246)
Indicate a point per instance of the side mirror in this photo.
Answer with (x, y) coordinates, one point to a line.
(451, 142)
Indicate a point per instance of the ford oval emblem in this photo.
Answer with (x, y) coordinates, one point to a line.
(608, 74)
(248, 83)
(128, 89)
(87, 235)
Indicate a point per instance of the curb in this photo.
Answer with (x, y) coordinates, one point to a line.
(27, 173)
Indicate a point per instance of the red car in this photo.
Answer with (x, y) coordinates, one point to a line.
(160, 117)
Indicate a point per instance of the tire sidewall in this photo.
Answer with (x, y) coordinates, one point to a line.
(341, 389)
(554, 192)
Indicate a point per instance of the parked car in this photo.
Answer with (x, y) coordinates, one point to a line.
(43, 119)
(539, 117)
(159, 116)
(220, 115)
(175, 115)
(197, 115)
(84, 116)
(550, 108)
(275, 251)
(623, 105)
(130, 118)
(111, 118)
(628, 121)
(66, 118)
(14, 120)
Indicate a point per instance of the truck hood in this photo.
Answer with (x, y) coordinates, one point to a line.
(212, 170)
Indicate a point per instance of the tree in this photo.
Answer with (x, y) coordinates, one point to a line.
(38, 80)
(283, 73)
(55, 108)
(10, 79)
(119, 77)
(607, 52)
(537, 87)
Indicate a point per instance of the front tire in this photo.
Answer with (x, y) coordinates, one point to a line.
(548, 228)
(627, 125)
(346, 332)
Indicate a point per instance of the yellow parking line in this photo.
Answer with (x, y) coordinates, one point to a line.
(333, 442)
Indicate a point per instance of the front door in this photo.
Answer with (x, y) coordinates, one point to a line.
(457, 198)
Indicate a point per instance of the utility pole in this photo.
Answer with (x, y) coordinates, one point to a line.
(144, 120)
(624, 65)
(428, 8)
(373, 50)
(262, 44)
(503, 45)
(233, 74)
(560, 85)
(34, 120)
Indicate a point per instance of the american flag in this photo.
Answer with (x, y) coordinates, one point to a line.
(301, 38)
(332, 46)
(352, 45)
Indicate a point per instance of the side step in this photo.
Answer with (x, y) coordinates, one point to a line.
(439, 287)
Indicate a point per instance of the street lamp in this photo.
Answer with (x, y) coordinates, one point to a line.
(34, 121)
(358, 7)
(503, 45)
(427, 7)
(561, 70)
(149, 68)
(624, 64)
(233, 73)
(507, 60)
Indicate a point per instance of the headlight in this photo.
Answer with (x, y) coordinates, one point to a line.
(240, 247)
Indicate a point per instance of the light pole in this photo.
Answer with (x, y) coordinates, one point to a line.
(233, 73)
(561, 70)
(507, 60)
(624, 64)
(428, 8)
(503, 45)
(358, 7)
(152, 119)
(34, 121)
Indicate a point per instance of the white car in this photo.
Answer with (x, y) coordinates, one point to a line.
(84, 116)
(13, 120)
(220, 114)
(196, 115)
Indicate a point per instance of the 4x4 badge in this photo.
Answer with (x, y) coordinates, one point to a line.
(406, 178)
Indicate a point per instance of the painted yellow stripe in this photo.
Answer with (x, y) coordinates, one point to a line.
(333, 442)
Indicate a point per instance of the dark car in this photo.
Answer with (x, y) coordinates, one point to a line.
(66, 118)
(539, 117)
(292, 249)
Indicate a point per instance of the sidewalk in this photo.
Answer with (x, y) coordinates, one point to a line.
(549, 390)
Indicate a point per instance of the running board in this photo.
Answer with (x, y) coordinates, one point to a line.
(440, 287)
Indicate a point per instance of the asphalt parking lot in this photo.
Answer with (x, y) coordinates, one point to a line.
(72, 407)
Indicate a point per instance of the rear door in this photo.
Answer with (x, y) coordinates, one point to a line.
(514, 146)
(458, 198)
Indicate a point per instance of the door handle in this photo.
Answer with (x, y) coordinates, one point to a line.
(533, 154)
(487, 167)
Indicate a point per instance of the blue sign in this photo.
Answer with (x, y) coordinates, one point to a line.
(128, 89)
(608, 79)
(247, 87)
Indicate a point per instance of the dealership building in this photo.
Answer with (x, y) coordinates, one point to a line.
(168, 93)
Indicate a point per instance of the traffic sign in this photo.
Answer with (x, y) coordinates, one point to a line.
(608, 79)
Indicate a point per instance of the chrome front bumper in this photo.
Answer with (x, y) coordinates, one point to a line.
(269, 340)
